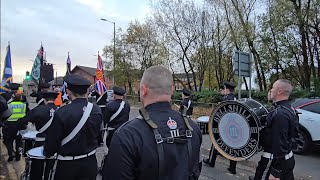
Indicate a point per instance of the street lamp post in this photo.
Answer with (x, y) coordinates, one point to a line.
(114, 47)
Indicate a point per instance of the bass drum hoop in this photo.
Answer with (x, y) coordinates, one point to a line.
(213, 140)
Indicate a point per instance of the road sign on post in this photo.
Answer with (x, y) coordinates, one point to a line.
(242, 68)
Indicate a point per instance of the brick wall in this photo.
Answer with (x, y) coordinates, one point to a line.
(85, 75)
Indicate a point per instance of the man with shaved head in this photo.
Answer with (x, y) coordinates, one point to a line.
(278, 135)
(161, 143)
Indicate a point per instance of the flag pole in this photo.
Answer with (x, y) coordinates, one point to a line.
(104, 73)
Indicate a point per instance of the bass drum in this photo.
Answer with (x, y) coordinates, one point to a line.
(234, 128)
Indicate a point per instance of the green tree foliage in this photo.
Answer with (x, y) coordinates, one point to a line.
(199, 39)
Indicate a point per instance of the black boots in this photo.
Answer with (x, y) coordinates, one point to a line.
(10, 158)
(232, 171)
(18, 157)
(207, 161)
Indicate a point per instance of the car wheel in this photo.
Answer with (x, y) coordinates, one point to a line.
(303, 143)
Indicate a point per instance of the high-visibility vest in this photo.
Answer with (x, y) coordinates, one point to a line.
(18, 110)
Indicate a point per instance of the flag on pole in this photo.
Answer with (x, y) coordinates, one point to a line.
(36, 69)
(7, 72)
(100, 82)
(68, 65)
(65, 85)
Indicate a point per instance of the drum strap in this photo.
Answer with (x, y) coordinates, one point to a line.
(189, 135)
(100, 97)
(45, 127)
(10, 100)
(40, 101)
(189, 103)
(82, 121)
(107, 129)
(159, 141)
(118, 111)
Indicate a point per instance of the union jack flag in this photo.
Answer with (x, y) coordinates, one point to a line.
(101, 87)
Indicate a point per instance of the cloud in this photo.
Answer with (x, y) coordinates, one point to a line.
(96, 5)
(62, 26)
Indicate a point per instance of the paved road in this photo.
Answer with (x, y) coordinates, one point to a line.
(307, 167)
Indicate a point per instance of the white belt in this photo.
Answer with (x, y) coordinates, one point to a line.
(70, 158)
(40, 139)
(267, 155)
(288, 156)
(102, 106)
(270, 156)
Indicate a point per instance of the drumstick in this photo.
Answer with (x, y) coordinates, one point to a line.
(176, 105)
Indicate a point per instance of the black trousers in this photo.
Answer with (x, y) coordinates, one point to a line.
(109, 137)
(213, 156)
(287, 167)
(80, 169)
(40, 168)
(9, 136)
(263, 168)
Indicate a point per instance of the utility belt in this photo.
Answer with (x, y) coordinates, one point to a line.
(70, 158)
(270, 156)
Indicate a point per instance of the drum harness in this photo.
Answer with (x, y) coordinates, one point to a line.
(68, 138)
(169, 140)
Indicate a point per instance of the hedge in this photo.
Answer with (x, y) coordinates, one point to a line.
(261, 96)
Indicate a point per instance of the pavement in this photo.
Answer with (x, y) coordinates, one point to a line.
(307, 167)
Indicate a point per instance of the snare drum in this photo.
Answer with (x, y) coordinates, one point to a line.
(28, 141)
(38, 165)
(203, 123)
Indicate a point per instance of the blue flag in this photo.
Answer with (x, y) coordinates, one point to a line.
(7, 72)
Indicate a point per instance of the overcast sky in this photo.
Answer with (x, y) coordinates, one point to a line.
(62, 26)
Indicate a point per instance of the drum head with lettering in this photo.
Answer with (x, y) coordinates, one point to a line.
(234, 130)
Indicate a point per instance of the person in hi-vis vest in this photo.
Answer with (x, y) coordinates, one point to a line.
(10, 129)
